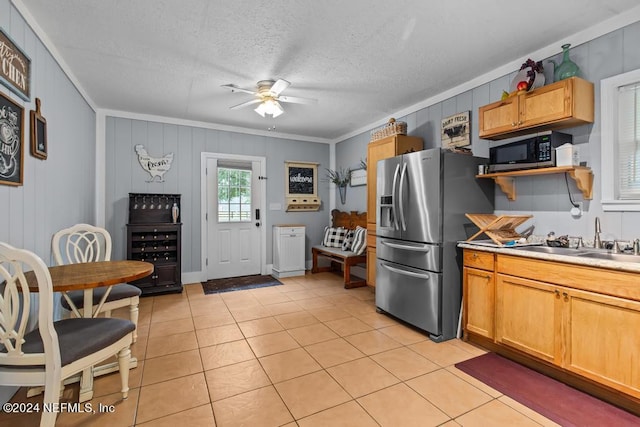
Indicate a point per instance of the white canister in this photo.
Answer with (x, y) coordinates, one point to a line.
(566, 155)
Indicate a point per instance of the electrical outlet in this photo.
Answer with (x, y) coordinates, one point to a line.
(576, 211)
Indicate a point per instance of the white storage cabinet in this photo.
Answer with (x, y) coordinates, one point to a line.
(288, 250)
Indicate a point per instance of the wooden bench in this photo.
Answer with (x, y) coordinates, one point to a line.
(338, 257)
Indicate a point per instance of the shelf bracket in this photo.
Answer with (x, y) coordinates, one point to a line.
(507, 184)
(584, 181)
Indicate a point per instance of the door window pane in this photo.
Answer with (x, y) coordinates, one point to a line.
(234, 195)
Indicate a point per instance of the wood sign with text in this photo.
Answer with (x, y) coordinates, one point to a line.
(15, 67)
(456, 130)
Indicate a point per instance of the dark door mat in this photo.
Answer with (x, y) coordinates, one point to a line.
(557, 401)
(239, 283)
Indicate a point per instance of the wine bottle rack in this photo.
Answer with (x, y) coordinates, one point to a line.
(153, 237)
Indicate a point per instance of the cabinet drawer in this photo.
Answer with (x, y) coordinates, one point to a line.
(478, 259)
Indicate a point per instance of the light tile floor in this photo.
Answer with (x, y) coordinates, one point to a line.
(308, 353)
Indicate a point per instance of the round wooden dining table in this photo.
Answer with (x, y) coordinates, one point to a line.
(87, 276)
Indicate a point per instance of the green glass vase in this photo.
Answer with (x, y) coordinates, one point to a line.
(567, 67)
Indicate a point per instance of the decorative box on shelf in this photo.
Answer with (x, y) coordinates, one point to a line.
(154, 235)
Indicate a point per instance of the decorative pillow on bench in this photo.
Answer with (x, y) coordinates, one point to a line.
(334, 237)
(359, 240)
(348, 240)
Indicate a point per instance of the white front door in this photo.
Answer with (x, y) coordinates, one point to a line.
(233, 216)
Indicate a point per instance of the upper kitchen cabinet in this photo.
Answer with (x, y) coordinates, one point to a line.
(558, 105)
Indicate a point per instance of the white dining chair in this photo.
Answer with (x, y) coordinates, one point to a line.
(88, 243)
(53, 351)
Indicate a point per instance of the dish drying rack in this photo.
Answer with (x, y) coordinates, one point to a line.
(499, 228)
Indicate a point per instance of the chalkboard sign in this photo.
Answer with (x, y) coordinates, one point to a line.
(301, 181)
(38, 133)
(302, 178)
(11, 140)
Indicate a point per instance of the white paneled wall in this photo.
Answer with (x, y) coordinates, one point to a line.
(124, 175)
(59, 191)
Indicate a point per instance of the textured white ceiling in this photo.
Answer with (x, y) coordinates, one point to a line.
(362, 59)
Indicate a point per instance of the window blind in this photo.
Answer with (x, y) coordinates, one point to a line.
(628, 142)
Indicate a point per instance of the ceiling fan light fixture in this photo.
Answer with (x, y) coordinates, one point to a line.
(269, 106)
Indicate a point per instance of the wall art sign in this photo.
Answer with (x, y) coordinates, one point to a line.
(155, 166)
(456, 130)
(15, 67)
(11, 142)
(38, 133)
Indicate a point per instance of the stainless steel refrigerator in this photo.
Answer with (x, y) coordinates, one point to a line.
(421, 201)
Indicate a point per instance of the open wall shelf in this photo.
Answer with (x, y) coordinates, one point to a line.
(582, 175)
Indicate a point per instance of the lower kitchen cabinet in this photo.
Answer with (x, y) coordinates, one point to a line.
(372, 257)
(582, 320)
(478, 293)
(159, 244)
(528, 317)
(479, 296)
(602, 339)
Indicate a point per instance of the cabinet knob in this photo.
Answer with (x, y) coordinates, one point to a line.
(475, 255)
(557, 292)
(513, 124)
(155, 230)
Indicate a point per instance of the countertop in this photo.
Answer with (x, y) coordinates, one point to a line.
(633, 267)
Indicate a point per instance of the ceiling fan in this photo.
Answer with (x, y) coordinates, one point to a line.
(268, 95)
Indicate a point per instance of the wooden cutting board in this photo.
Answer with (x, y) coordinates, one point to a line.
(499, 228)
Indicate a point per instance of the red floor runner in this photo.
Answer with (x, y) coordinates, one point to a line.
(553, 399)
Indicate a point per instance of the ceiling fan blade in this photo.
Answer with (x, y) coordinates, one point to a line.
(235, 88)
(297, 100)
(279, 86)
(245, 104)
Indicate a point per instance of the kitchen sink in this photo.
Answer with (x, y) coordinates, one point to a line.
(551, 250)
(611, 257)
(582, 253)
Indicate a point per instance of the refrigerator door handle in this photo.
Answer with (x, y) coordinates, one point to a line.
(405, 272)
(403, 174)
(405, 247)
(394, 199)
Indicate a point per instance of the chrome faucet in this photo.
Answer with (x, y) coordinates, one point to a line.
(597, 243)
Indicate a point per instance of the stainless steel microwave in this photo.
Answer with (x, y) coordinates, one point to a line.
(534, 152)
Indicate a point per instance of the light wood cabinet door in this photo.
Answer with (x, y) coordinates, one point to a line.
(558, 105)
(529, 317)
(371, 265)
(479, 301)
(371, 255)
(602, 338)
(499, 117)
